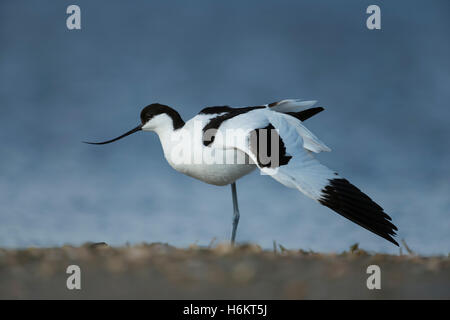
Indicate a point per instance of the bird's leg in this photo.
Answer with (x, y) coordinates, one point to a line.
(235, 212)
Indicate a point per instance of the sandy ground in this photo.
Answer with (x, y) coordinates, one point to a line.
(160, 271)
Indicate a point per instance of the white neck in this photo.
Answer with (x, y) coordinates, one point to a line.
(162, 125)
(166, 124)
(165, 135)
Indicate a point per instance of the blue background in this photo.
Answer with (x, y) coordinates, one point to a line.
(386, 94)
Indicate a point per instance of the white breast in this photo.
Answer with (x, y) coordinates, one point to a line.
(185, 152)
(219, 172)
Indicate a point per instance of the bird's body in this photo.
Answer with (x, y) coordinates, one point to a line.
(222, 144)
(185, 152)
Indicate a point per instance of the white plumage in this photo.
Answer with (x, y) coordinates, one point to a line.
(303, 171)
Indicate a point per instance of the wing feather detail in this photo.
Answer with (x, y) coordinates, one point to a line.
(304, 172)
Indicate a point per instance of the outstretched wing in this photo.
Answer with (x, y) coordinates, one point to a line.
(301, 110)
(292, 111)
(293, 165)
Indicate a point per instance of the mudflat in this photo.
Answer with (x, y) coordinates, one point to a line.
(161, 271)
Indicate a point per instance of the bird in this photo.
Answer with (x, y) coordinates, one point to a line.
(222, 144)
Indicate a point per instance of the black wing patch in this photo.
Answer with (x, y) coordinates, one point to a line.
(347, 200)
(214, 124)
(268, 147)
(216, 110)
(305, 114)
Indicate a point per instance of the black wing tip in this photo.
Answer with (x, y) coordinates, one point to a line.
(393, 241)
(306, 114)
(350, 202)
(390, 238)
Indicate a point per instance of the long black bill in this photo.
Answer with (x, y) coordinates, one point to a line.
(138, 128)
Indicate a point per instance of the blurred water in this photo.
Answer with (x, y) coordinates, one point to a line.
(385, 92)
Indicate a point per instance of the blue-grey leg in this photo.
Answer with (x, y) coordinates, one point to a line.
(235, 212)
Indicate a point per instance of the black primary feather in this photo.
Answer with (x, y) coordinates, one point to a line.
(347, 200)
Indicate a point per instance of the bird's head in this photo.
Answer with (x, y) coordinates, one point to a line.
(154, 117)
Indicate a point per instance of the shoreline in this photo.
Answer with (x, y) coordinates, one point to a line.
(161, 271)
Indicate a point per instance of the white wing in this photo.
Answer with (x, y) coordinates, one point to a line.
(302, 171)
(310, 141)
(297, 168)
(291, 105)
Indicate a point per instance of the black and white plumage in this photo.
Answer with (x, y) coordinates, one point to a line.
(291, 142)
